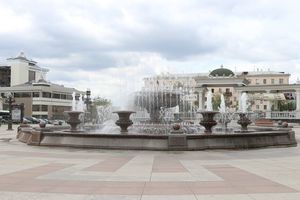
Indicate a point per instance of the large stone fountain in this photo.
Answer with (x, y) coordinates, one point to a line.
(135, 139)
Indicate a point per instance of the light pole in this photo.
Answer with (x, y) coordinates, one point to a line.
(88, 101)
(9, 100)
(88, 98)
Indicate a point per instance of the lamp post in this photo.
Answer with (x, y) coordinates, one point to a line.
(9, 100)
(88, 98)
(88, 101)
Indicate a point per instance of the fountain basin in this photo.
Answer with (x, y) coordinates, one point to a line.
(277, 137)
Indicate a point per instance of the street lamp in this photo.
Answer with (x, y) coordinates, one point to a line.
(9, 100)
(88, 98)
(88, 101)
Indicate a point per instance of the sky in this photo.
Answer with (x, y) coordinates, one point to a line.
(109, 46)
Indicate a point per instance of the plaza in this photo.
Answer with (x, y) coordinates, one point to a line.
(34, 172)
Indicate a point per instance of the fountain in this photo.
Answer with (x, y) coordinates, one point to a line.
(244, 121)
(208, 116)
(124, 120)
(74, 120)
(153, 101)
(159, 133)
(225, 114)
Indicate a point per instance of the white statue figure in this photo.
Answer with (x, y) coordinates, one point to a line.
(209, 102)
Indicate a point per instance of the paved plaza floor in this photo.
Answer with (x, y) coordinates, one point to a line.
(32, 172)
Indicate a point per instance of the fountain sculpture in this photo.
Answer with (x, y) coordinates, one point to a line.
(208, 116)
(74, 114)
(244, 121)
(124, 120)
(225, 114)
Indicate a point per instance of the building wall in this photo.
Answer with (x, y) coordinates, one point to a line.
(255, 78)
(19, 72)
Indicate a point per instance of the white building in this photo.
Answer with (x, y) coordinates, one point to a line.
(27, 81)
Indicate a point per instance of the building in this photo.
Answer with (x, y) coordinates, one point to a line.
(27, 82)
(265, 88)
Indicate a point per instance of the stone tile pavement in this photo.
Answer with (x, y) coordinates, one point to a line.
(29, 172)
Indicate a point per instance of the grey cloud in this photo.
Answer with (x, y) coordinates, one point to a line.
(203, 29)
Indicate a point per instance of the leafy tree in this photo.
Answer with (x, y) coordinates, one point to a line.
(98, 101)
(216, 101)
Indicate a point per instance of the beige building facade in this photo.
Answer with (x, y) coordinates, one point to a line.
(224, 81)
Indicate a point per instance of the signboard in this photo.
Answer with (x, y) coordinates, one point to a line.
(16, 114)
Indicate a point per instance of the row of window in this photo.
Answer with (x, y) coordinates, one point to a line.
(258, 107)
(265, 81)
(38, 94)
(227, 90)
(55, 109)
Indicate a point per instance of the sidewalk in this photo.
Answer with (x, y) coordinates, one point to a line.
(33, 172)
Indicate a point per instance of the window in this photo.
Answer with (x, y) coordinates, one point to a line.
(227, 90)
(265, 107)
(69, 97)
(44, 108)
(272, 81)
(56, 96)
(31, 76)
(265, 81)
(22, 95)
(212, 90)
(46, 94)
(281, 81)
(35, 94)
(63, 96)
(35, 107)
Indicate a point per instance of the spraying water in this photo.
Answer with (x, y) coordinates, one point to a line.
(209, 102)
(243, 103)
(222, 108)
(73, 102)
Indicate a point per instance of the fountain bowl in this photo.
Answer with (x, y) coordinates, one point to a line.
(124, 119)
(73, 119)
(208, 120)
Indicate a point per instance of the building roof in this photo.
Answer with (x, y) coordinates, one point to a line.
(221, 72)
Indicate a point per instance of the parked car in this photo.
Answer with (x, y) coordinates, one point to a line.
(26, 121)
(32, 120)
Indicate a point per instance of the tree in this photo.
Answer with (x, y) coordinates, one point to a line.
(216, 101)
(98, 101)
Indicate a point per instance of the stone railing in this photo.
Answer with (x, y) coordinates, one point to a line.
(283, 115)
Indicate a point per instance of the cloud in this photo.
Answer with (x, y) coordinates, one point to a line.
(82, 42)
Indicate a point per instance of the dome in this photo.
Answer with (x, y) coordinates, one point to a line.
(221, 72)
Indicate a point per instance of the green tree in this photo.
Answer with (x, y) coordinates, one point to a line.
(216, 101)
(98, 101)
